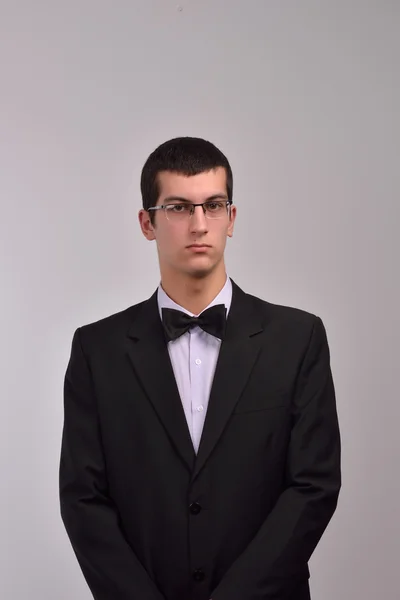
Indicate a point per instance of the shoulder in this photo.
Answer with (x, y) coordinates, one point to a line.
(281, 312)
(289, 324)
(109, 328)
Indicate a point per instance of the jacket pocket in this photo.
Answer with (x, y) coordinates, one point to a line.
(261, 402)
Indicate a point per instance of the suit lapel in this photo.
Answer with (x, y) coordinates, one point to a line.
(148, 353)
(238, 353)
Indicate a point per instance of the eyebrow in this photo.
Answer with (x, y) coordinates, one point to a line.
(209, 199)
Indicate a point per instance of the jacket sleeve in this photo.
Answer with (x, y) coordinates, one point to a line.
(108, 563)
(276, 559)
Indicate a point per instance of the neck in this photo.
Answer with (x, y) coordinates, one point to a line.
(194, 294)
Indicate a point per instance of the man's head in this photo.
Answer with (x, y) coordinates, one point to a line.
(182, 172)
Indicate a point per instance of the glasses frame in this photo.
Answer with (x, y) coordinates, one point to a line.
(192, 208)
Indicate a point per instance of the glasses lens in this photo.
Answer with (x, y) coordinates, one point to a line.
(177, 212)
(215, 210)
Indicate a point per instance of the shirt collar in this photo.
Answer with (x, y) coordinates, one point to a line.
(224, 297)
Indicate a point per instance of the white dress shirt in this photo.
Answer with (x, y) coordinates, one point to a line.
(194, 358)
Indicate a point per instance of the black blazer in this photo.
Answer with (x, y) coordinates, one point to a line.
(147, 519)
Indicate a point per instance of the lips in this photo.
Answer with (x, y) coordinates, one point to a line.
(199, 248)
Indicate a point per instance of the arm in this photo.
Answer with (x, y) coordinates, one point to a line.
(109, 565)
(277, 556)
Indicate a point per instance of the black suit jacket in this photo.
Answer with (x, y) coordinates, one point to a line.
(146, 517)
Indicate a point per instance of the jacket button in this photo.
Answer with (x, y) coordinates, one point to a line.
(195, 508)
(198, 575)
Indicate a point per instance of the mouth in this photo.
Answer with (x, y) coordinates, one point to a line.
(198, 247)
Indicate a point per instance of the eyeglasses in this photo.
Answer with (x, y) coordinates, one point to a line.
(213, 209)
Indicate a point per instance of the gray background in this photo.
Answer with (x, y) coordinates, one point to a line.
(304, 99)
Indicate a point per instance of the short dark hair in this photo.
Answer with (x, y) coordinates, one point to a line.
(183, 155)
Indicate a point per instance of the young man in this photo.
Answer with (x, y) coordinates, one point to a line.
(201, 450)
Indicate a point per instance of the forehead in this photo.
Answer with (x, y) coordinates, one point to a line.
(194, 187)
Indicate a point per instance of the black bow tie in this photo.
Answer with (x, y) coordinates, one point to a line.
(212, 320)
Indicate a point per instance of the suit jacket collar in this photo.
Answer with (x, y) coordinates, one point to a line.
(148, 353)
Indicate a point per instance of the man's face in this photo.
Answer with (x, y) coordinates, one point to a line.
(175, 237)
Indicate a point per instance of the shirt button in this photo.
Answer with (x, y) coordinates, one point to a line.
(200, 408)
(198, 575)
(198, 361)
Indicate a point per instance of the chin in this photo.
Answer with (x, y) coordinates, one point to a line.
(200, 274)
(201, 271)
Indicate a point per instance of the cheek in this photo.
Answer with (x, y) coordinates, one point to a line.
(222, 236)
(169, 241)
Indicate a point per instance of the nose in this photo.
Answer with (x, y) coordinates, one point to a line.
(198, 221)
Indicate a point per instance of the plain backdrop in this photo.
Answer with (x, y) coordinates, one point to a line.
(303, 97)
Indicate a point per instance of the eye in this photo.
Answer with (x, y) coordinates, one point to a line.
(178, 208)
(214, 206)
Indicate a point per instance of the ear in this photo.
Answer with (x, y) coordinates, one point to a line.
(146, 225)
(233, 211)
